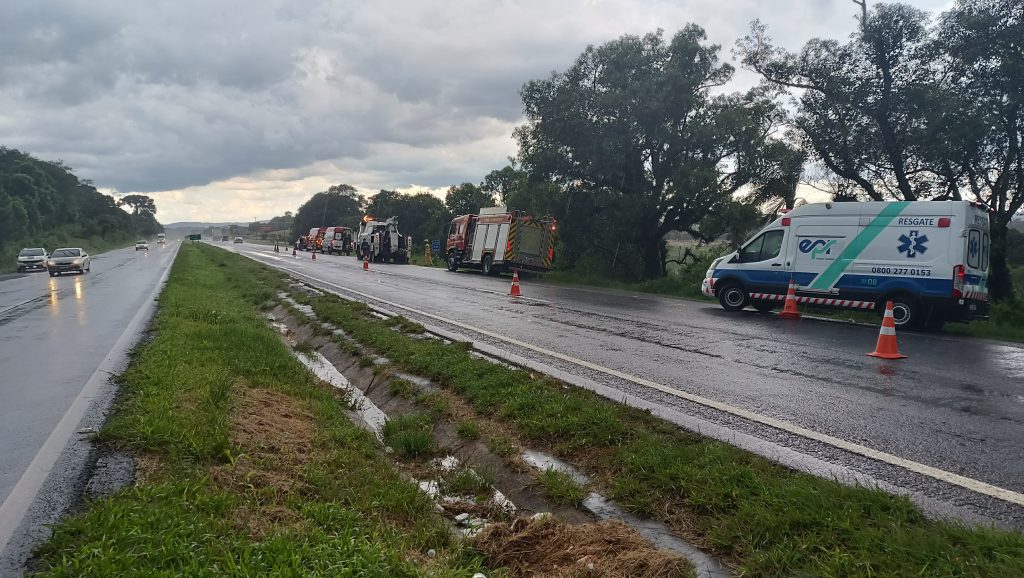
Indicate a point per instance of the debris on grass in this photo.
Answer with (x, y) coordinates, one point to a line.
(546, 546)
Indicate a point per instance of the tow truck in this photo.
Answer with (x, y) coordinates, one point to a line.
(498, 239)
(380, 241)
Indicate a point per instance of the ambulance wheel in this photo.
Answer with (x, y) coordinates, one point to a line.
(487, 266)
(732, 297)
(907, 313)
(764, 307)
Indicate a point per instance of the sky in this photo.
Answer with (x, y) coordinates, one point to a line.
(235, 110)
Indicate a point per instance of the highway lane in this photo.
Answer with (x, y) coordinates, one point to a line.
(54, 334)
(955, 404)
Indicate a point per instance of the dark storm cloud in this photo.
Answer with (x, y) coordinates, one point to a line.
(163, 95)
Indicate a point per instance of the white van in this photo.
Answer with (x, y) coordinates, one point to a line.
(930, 258)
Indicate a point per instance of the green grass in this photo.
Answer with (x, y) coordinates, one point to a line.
(562, 488)
(468, 429)
(410, 435)
(767, 519)
(351, 512)
(464, 481)
(402, 388)
(502, 445)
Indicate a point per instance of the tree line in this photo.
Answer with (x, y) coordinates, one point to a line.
(423, 215)
(45, 200)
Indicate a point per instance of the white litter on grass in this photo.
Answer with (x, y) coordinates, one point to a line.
(322, 368)
(502, 501)
(447, 463)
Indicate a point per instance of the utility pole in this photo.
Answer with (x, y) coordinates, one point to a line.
(323, 218)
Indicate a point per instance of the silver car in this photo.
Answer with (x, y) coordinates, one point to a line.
(32, 258)
(67, 260)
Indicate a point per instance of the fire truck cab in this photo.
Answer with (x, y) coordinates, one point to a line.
(498, 239)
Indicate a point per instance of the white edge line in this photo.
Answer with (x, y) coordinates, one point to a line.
(916, 467)
(18, 501)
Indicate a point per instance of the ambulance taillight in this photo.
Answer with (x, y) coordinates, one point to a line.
(958, 281)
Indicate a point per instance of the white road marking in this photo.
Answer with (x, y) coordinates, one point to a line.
(916, 467)
(17, 503)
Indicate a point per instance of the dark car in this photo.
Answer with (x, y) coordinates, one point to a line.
(67, 260)
(31, 259)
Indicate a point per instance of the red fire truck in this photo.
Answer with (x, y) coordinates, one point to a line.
(499, 240)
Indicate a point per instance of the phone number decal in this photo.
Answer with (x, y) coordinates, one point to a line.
(902, 271)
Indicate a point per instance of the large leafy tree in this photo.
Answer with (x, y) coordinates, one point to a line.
(979, 119)
(340, 205)
(420, 215)
(467, 198)
(864, 103)
(138, 204)
(634, 135)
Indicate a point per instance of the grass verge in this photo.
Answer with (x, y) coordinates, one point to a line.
(251, 467)
(764, 519)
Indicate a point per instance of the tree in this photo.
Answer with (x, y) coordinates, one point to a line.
(138, 203)
(467, 198)
(340, 205)
(421, 215)
(865, 103)
(633, 126)
(980, 117)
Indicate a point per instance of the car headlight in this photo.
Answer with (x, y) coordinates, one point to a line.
(77, 262)
(50, 263)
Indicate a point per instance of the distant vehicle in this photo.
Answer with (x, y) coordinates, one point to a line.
(338, 240)
(32, 259)
(380, 241)
(930, 258)
(314, 240)
(238, 240)
(67, 260)
(224, 238)
(501, 240)
(142, 245)
(161, 238)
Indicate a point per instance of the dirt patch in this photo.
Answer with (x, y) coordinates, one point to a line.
(549, 547)
(274, 435)
(147, 467)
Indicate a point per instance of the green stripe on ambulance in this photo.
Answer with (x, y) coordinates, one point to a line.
(829, 276)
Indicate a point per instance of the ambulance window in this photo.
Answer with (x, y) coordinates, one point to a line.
(984, 251)
(974, 249)
(772, 244)
(752, 252)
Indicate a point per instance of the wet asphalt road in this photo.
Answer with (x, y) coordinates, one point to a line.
(54, 334)
(955, 404)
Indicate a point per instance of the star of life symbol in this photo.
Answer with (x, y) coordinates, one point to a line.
(913, 243)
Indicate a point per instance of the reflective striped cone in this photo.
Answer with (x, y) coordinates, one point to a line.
(514, 291)
(886, 347)
(789, 310)
(366, 263)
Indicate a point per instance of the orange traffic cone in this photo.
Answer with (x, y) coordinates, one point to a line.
(886, 347)
(366, 263)
(789, 310)
(514, 291)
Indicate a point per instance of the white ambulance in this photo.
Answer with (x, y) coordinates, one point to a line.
(930, 258)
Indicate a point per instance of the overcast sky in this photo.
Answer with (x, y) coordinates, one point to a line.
(242, 109)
